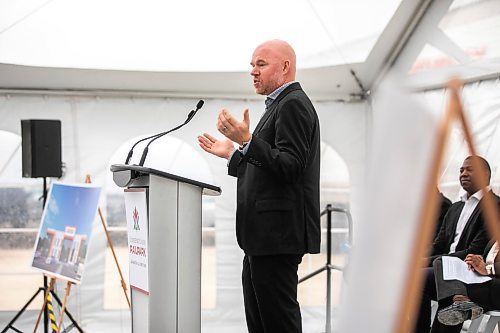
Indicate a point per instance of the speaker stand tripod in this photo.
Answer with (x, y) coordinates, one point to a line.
(43, 289)
(328, 267)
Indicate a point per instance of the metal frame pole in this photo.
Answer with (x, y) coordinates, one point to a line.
(328, 328)
(45, 281)
(328, 265)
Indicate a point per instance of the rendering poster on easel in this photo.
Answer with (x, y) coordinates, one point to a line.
(137, 227)
(66, 227)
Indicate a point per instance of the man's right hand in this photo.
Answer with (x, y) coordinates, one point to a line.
(221, 148)
(476, 263)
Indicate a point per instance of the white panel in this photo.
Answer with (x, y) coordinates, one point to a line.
(189, 269)
(163, 260)
(402, 145)
(140, 311)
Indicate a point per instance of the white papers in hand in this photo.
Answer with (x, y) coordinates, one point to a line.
(456, 269)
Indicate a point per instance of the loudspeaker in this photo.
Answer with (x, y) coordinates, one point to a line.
(41, 148)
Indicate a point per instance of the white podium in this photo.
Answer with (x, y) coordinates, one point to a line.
(174, 260)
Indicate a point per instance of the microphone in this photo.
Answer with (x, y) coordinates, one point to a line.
(131, 151)
(190, 116)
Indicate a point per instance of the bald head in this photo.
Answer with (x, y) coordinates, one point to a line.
(273, 64)
(282, 51)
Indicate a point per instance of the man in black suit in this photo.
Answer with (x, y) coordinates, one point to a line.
(462, 232)
(277, 166)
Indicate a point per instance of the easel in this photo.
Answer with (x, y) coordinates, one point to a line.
(47, 289)
(55, 328)
(414, 278)
(110, 243)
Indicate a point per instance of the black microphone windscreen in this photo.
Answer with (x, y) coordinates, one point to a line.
(200, 104)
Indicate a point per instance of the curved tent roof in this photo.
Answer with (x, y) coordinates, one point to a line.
(187, 47)
(199, 48)
(188, 35)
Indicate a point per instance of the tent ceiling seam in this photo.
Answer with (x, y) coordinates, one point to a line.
(25, 17)
(402, 41)
(154, 94)
(345, 63)
(439, 40)
(467, 82)
(121, 93)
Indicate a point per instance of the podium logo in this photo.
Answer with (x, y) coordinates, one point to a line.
(135, 215)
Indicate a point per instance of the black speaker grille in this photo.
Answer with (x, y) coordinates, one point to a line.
(41, 144)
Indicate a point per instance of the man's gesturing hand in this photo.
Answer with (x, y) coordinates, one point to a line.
(222, 148)
(237, 131)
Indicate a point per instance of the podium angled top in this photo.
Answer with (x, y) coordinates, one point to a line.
(124, 174)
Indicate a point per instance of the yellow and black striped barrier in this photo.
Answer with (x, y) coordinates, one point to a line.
(51, 313)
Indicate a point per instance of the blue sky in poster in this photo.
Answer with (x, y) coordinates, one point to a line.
(71, 205)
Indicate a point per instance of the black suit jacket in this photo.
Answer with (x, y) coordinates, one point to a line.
(445, 205)
(278, 179)
(474, 236)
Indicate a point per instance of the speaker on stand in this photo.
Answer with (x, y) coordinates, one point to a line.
(41, 157)
(41, 146)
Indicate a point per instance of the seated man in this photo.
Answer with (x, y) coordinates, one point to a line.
(462, 232)
(468, 301)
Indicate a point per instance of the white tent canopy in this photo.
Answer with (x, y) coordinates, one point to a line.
(190, 35)
(161, 46)
(201, 49)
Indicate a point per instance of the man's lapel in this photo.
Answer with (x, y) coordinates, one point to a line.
(265, 117)
(273, 106)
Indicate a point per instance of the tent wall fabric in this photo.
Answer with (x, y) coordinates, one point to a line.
(98, 131)
(481, 102)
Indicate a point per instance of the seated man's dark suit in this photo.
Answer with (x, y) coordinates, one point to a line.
(473, 240)
(443, 209)
(277, 217)
(486, 294)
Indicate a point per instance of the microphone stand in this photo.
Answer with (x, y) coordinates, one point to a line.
(145, 151)
(131, 151)
(155, 136)
(189, 117)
